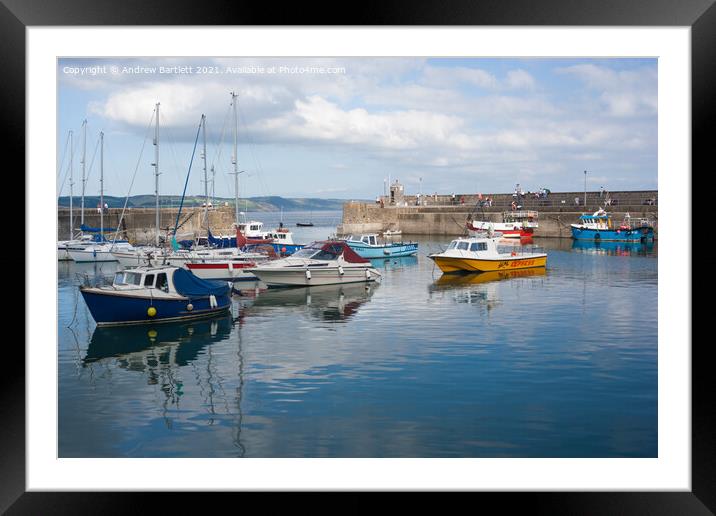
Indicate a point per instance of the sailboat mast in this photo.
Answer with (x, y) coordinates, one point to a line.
(235, 159)
(84, 176)
(206, 179)
(101, 184)
(156, 172)
(213, 184)
(72, 154)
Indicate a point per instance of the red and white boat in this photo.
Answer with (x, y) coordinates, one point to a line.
(233, 267)
(227, 270)
(515, 224)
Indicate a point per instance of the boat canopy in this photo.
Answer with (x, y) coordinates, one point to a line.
(220, 242)
(88, 229)
(337, 248)
(187, 284)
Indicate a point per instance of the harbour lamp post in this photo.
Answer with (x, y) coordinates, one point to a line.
(585, 188)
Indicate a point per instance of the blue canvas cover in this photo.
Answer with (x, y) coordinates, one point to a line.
(220, 242)
(187, 284)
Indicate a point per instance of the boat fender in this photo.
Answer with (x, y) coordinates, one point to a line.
(212, 301)
(367, 274)
(231, 266)
(514, 253)
(340, 270)
(151, 311)
(189, 307)
(308, 274)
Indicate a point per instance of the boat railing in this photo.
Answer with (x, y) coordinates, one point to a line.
(94, 280)
(521, 249)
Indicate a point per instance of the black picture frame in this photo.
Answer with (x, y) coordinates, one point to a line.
(700, 15)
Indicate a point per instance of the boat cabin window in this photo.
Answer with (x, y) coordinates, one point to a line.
(254, 227)
(453, 244)
(162, 281)
(119, 278)
(149, 280)
(132, 278)
(369, 239)
(332, 253)
(463, 246)
(478, 246)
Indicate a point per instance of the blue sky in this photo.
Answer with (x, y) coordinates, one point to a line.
(436, 124)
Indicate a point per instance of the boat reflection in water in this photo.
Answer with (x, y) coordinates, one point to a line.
(480, 288)
(332, 303)
(179, 359)
(394, 263)
(165, 344)
(614, 248)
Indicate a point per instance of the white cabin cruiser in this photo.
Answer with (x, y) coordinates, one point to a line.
(326, 262)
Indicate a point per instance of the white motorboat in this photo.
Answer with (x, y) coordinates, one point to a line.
(326, 262)
(97, 252)
(63, 245)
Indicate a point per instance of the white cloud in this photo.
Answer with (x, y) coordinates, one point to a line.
(448, 76)
(520, 80)
(623, 93)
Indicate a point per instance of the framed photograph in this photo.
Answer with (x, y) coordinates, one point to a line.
(431, 251)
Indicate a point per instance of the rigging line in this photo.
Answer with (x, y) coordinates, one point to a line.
(92, 162)
(134, 176)
(181, 203)
(172, 148)
(219, 148)
(217, 156)
(259, 168)
(109, 169)
(67, 172)
(64, 155)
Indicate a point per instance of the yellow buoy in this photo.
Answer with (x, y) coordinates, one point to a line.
(151, 311)
(152, 334)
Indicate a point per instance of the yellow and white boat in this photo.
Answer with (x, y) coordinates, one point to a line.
(480, 254)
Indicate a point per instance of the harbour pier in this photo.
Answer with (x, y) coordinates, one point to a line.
(139, 224)
(433, 214)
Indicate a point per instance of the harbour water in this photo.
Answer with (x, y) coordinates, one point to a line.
(555, 363)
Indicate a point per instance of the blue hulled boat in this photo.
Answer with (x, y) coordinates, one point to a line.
(367, 246)
(600, 227)
(155, 294)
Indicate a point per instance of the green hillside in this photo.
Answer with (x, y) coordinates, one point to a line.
(272, 203)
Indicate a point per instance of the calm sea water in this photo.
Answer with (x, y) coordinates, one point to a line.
(555, 364)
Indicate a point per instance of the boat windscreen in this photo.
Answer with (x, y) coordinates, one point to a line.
(306, 252)
(132, 278)
(341, 248)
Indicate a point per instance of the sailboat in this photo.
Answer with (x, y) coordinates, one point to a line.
(101, 252)
(79, 241)
(150, 254)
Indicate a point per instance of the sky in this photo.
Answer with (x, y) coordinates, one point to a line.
(344, 127)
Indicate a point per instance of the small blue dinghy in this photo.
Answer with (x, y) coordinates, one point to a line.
(367, 246)
(155, 294)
